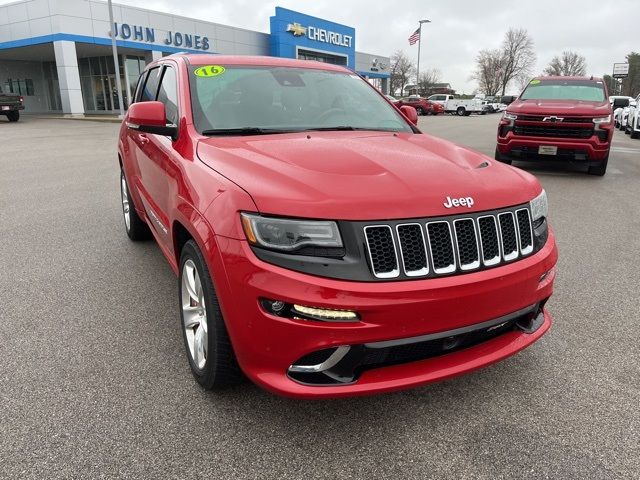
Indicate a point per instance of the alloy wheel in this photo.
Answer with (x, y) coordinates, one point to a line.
(194, 314)
(125, 202)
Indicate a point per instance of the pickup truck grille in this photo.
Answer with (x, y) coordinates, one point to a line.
(552, 131)
(448, 245)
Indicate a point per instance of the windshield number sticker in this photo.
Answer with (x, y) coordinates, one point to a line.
(209, 71)
(534, 82)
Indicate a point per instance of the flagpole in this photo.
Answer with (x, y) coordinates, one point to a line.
(419, 45)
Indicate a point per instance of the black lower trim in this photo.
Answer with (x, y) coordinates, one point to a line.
(367, 356)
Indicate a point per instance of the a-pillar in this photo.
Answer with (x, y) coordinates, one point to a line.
(68, 77)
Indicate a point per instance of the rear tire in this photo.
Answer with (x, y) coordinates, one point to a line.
(498, 156)
(136, 228)
(635, 134)
(600, 170)
(460, 111)
(13, 116)
(419, 111)
(206, 340)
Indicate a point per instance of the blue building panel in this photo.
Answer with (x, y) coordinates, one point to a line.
(291, 31)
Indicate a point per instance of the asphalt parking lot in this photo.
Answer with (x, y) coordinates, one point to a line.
(94, 382)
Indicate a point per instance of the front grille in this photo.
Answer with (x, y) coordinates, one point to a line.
(552, 131)
(448, 245)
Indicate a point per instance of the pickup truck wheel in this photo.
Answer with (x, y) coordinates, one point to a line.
(206, 340)
(634, 133)
(498, 156)
(460, 111)
(599, 170)
(136, 228)
(13, 116)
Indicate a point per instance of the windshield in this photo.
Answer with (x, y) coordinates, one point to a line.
(240, 98)
(559, 89)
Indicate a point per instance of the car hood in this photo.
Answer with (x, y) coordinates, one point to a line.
(363, 175)
(560, 107)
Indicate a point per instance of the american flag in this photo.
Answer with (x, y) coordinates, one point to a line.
(415, 36)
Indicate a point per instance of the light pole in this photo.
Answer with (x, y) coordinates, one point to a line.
(419, 44)
(116, 63)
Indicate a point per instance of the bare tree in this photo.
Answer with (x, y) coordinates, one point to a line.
(402, 69)
(518, 56)
(568, 64)
(488, 72)
(428, 78)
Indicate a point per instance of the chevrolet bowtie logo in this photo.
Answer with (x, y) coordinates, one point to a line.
(297, 29)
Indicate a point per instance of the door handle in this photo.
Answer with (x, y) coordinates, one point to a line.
(143, 139)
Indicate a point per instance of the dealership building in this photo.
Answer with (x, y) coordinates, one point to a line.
(57, 53)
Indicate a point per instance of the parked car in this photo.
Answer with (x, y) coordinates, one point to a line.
(10, 105)
(633, 121)
(560, 118)
(624, 115)
(618, 102)
(422, 105)
(327, 248)
(391, 98)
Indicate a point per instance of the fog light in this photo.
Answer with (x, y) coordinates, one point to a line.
(324, 314)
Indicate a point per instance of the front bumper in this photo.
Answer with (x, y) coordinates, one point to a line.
(589, 150)
(267, 345)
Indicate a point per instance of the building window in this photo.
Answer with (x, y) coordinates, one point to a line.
(321, 57)
(21, 87)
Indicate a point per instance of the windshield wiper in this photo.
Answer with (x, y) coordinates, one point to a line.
(347, 128)
(245, 131)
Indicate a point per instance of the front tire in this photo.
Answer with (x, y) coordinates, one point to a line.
(599, 170)
(498, 156)
(419, 111)
(13, 116)
(137, 230)
(206, 340)
(635, 134)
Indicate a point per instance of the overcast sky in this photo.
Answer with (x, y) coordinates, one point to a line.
(604, 31)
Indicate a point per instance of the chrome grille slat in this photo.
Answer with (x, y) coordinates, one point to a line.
(448, 245)
(380, 242)
(467, 243)
(508, 236)
(413, 249)
(441, 247)
(525, 231)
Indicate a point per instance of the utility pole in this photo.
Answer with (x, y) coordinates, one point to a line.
(116, 63)
(419, 44)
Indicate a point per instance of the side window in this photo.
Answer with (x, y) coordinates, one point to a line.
(151, 85)
(168, 94)
(138, 93)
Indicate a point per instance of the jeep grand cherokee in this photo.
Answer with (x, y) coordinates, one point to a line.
(323, 245)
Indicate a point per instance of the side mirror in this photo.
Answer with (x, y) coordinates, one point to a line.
(150, 117)
(620, 103)
(508, 99)
(410, 112)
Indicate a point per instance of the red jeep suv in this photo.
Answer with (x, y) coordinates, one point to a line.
(567, 119)
(323, 245)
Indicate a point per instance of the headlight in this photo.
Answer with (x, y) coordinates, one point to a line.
(539, 207)
(509, 116)
(288, 234)
(601, 120)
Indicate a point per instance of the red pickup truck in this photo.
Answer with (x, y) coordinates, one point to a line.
(561, 118)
